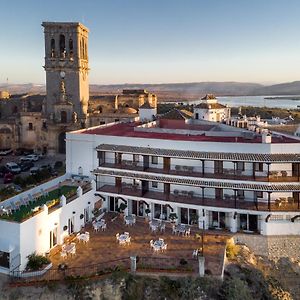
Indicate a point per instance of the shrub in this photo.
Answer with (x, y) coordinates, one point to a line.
(183, 262)
(58, 164)
(235, 289)
(35, 262)
(231, 250)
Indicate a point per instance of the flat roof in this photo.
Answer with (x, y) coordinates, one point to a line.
(127, 130)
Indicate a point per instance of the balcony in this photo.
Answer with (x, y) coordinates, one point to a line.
(230, 174)
(195, 199)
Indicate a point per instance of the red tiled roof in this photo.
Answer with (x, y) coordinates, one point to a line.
(210, 106)
(127, 130)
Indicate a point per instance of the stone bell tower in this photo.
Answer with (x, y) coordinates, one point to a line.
(66, 60)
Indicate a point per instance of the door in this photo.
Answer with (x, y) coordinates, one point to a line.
(218, 164)
(167, 164)
(134, 208)
(86, 214)
(295, 170)
(53, 237)
(71, 225)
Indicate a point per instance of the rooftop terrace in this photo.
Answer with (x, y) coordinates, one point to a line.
(129, 130)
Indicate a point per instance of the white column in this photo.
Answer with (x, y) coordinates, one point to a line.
(233, 222)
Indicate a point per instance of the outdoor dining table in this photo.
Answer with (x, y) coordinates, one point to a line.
(129, 218)
(158, 245)
(70, 248)
(123, 238)
(83, 237)
(181, 228)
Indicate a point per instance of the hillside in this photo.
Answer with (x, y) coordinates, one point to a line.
(289, 88)
(177, 91)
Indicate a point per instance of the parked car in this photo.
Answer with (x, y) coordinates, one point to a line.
(34, 170)
(5, 152)
(13, 167)
(30, 157)
(52, 171)
(23, 151)
(26, 165)
(8, 178)
(3, 171)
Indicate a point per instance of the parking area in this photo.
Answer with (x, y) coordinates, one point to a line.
(46, 160)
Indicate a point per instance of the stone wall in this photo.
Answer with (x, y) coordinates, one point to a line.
(272, 247)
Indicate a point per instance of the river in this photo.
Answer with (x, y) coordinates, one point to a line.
(258, 101)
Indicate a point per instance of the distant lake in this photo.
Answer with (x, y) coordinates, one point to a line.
(258, 101)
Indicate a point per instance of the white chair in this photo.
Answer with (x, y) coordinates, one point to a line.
(156, 249)
(151, 243)
(128, 240)
(87, 233)
(153, 228)
(117, 236)
(95, 226)
(188, 232)
(161, 240)
(195, 253)
(174, 230)
(104, 226)
(127, 222)
(126, 233)
(73, 251)
(163, 227)
(164, 247)
(63, 254)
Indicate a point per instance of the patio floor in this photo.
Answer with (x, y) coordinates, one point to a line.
(103, 246)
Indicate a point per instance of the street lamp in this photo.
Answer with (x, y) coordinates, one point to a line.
(202, 238)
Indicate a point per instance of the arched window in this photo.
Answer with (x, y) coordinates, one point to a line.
(63, 116)
(80, 171)
(71, 47)
(85, 51)
(52, 46)
(62, 45)
(82, 45)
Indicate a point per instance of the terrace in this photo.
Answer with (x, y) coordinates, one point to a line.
(103, 247)
(25, 208)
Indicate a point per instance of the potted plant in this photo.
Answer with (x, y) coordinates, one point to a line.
(173, 217)
(193, 219)
(122, 207)
(147, 212)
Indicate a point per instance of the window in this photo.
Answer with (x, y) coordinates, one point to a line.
(30, 126)
(259, 167)
(62, 45)
(154, 184)
(136, 157)
(259, 194)
(240, 194)
(154, 160)
(240, 166)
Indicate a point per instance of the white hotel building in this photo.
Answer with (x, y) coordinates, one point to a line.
(230, 178)
(211, 174)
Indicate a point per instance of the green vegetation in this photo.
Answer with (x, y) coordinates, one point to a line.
(267, 112)
(51, 199)
(36, 262)
(231, 250)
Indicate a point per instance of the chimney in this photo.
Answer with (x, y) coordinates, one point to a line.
(266, 138)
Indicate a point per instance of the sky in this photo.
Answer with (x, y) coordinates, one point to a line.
(160, 41)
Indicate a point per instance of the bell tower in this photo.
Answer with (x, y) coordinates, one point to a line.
(66, 60)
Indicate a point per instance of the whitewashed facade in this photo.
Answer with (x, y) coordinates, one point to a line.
(231, 183)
